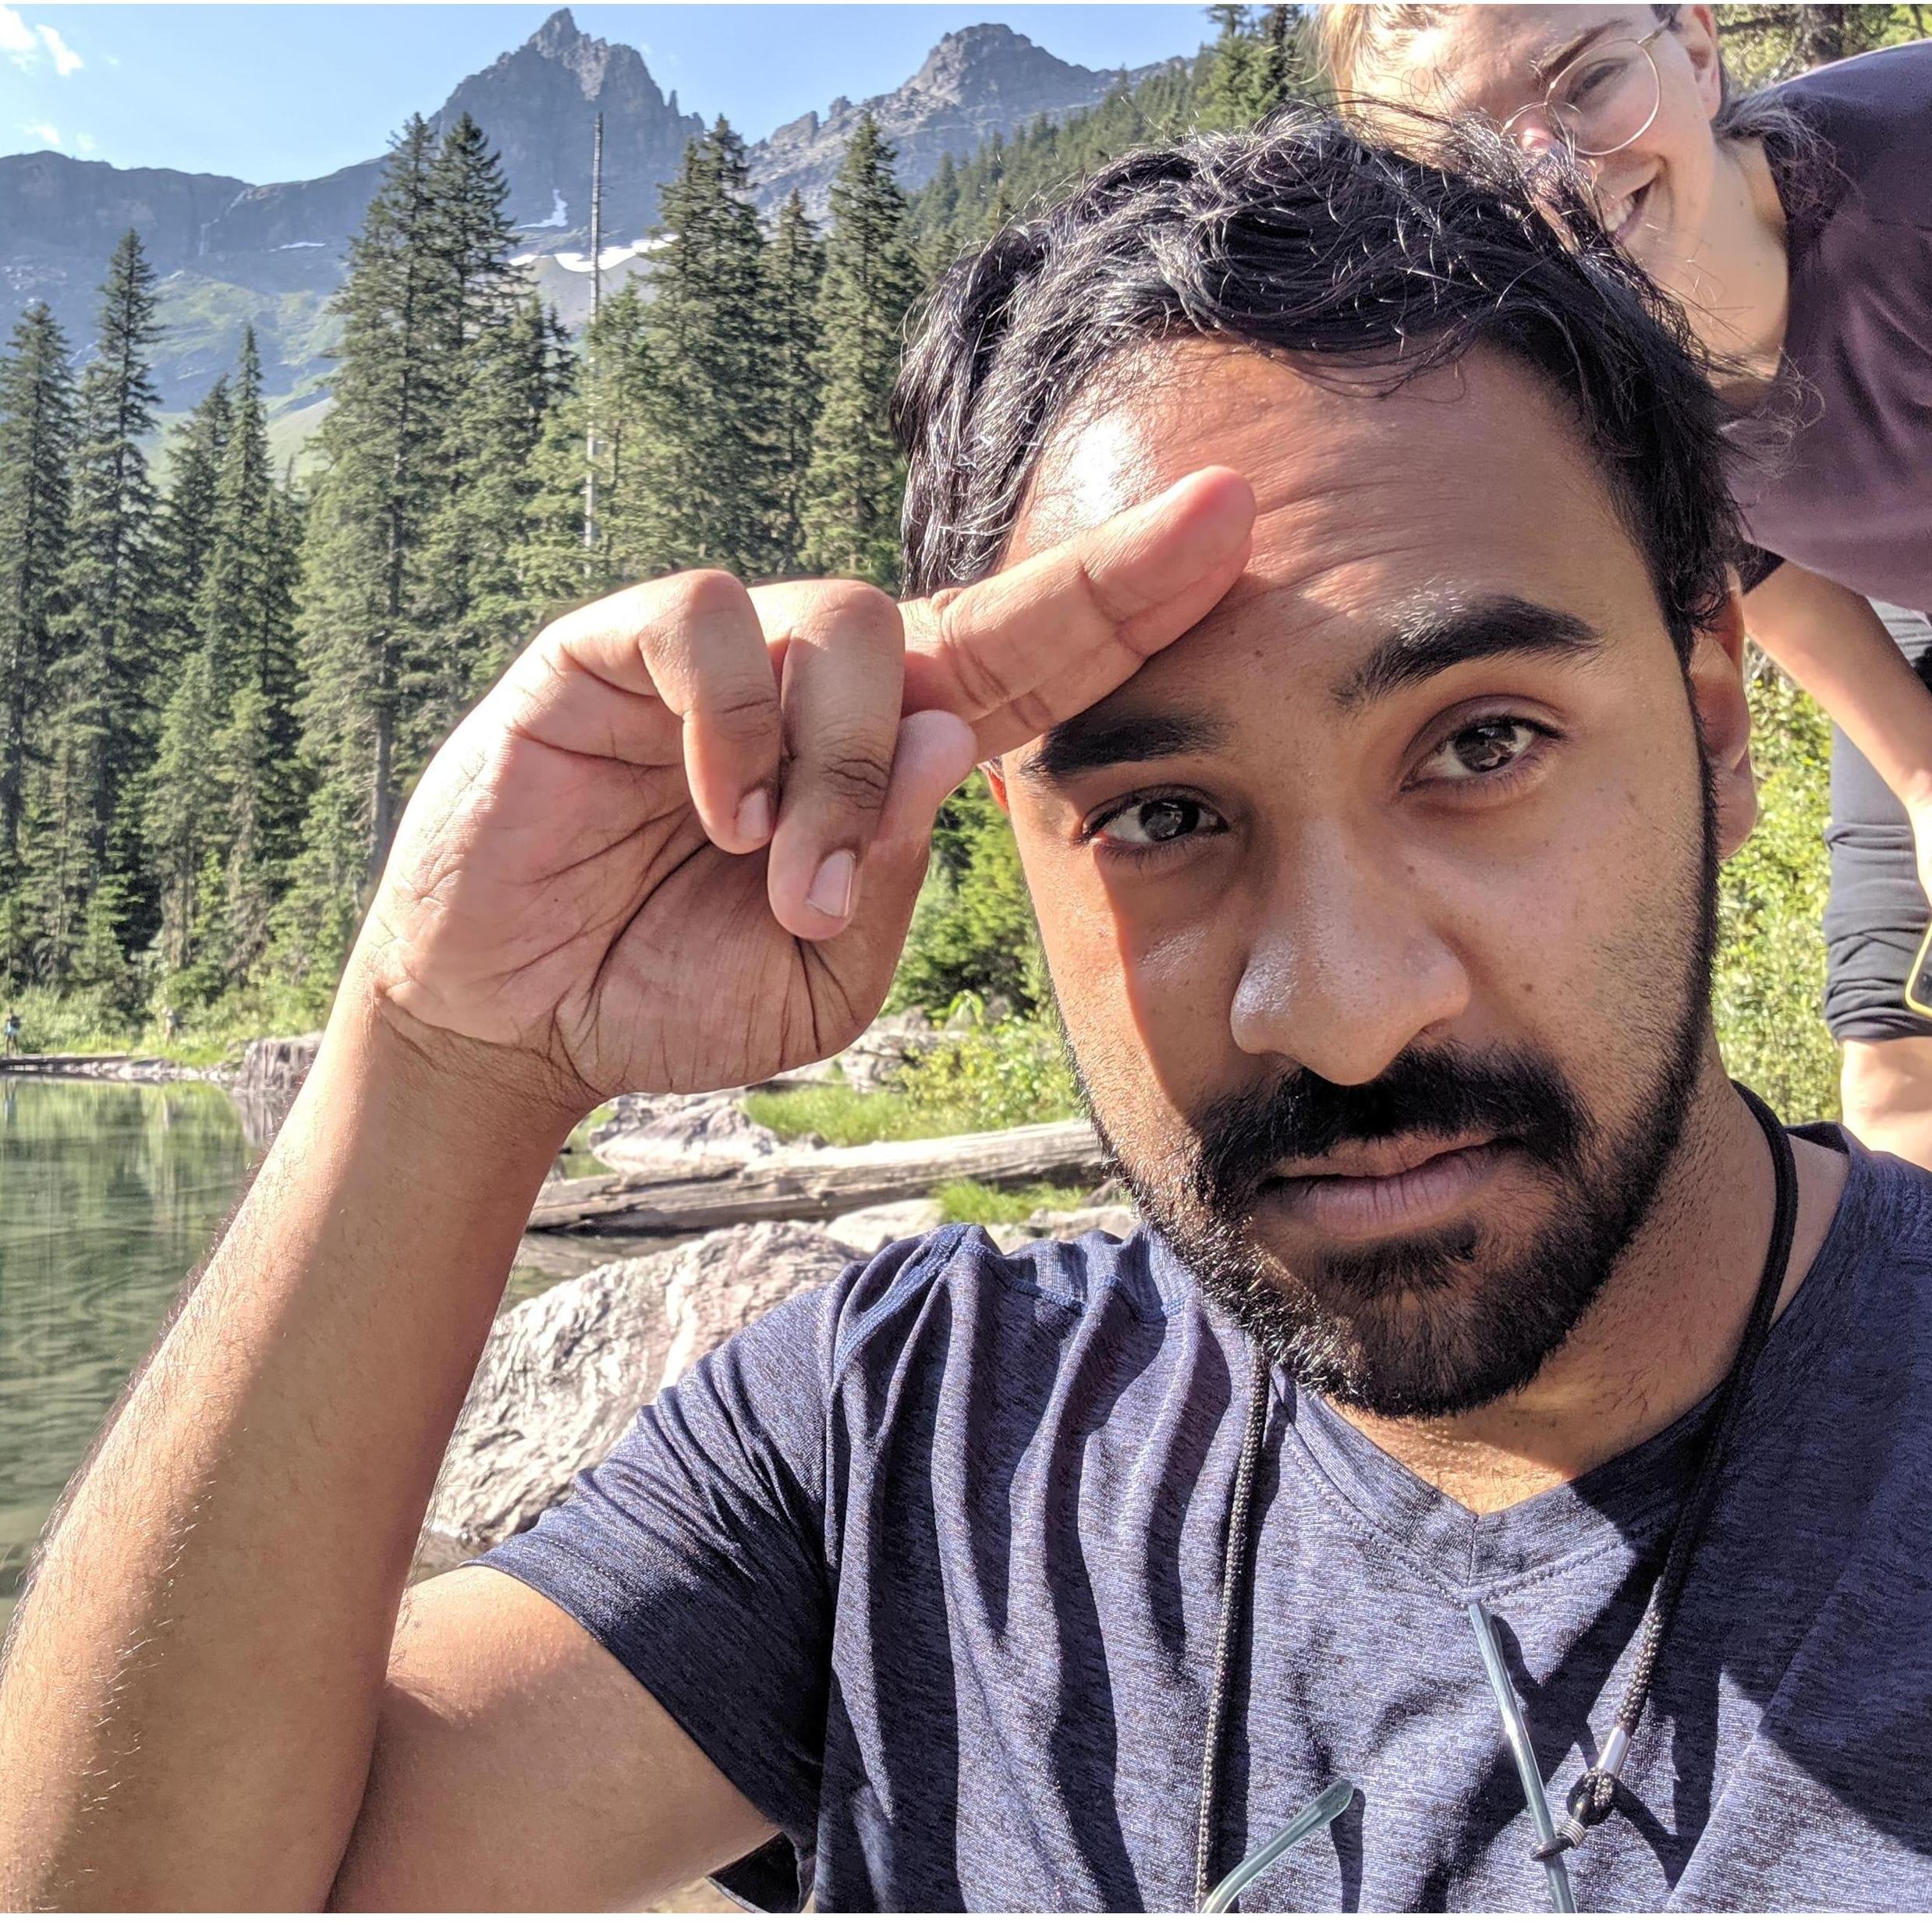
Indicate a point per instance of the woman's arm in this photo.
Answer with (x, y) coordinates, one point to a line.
(1830, 640)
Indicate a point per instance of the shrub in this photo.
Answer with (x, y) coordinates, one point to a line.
(973, 931)
(1768, 991)
(1006, 1075)
(992, 1206)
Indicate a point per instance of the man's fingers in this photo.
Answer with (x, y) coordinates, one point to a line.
(706, 653)
(675, 672)
(933, 755)
(843, 662)
(1042, 641)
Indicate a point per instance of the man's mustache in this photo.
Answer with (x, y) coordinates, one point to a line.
(1433, 1090)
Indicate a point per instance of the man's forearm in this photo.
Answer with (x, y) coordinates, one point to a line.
(1832, 642)
(186, 1712)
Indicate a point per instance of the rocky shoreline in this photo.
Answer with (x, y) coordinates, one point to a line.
(564, 1374)
(734, 1220)
(146, 1069)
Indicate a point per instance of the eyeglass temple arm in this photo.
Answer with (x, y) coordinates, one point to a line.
(1517, 1731)
(1329, 1806)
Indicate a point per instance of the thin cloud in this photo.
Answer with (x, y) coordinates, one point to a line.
(41, 132)
(65, 60)
(86, 144)
(25, 45)
(16, 39)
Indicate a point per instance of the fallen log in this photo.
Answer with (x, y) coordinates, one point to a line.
(820, 1183)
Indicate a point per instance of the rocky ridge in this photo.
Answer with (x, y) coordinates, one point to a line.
(976, 83)
(230, 252)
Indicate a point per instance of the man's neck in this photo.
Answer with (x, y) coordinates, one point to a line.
(1659, 1337)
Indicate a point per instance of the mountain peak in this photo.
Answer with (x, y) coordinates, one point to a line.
(558, 34)
(989, 54)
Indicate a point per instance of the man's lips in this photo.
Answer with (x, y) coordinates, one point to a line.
(1380, 1189)
(1380, 1160)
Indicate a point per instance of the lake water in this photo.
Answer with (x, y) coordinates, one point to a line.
(109, 1195)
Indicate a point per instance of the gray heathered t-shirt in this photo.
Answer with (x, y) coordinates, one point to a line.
(929, 1563)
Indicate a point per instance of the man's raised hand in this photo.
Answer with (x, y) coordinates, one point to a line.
(677, 846)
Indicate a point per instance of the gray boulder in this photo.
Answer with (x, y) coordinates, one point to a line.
(564, 1375)
(869, 1230)
(681, 1136)
(278, 1066)
(1064, 1224)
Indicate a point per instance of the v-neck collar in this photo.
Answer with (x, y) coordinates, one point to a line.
(1633, 1499)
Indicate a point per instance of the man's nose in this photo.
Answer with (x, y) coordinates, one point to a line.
(1348, 965)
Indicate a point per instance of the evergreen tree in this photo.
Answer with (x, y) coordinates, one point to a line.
(185, 526)
(381, 448)
(181, 806)
(246, 625)
(853, 487)
(559, 562)
(1257, 63)
(221, 801)
(512, 378)
(704, 474)
(498, 354)
(36, 433)
(794, 271)
(88, 872)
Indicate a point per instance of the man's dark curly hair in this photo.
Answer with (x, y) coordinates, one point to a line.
(1363, 268)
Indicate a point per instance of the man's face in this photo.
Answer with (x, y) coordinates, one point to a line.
(1378, 906)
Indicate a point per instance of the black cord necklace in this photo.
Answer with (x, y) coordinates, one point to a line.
(1594, 1793)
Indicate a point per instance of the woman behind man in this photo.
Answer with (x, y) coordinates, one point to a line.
(1795, 227)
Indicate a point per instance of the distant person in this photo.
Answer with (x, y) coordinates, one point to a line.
(13, 1033)
(1796, 225)
(1333, 573)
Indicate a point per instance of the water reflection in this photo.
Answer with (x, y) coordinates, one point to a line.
(109, 1195)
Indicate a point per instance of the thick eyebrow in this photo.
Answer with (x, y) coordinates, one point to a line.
(1548, 64)
(1432, 641)
(1095, 740)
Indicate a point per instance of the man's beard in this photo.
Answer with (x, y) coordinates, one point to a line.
(1442, 1322)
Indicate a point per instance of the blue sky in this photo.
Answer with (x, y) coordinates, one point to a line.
(273, 93)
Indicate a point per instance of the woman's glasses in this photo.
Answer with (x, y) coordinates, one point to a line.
(1599, 102)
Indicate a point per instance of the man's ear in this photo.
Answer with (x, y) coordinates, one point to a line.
(996, 784)
(1715, 675)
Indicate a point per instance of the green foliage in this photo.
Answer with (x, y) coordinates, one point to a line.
(1257, 63)
(853, 486)
(1763, 44)
(984, 1207)
(843, 1118)
(964, 204)
(361, 561)
(1767, 992)
(973, 931)
(36, 433)
(1005, 1074)
(703, 445)
(795, 268)
(87, 886)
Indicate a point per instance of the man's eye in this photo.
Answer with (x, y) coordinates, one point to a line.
(1156, 821)
(1481, 749)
